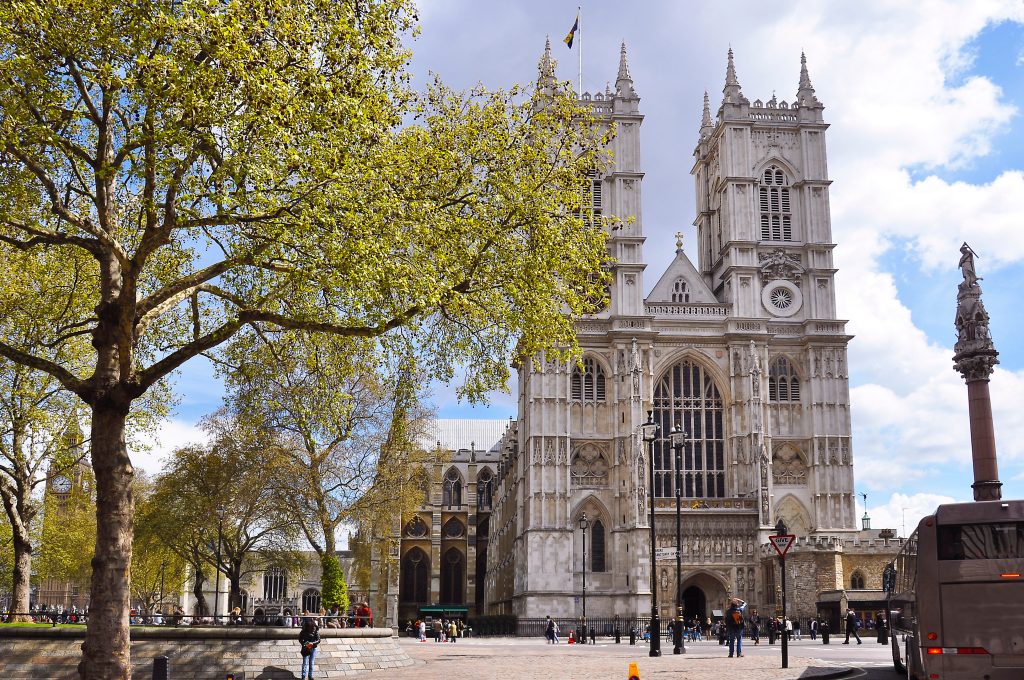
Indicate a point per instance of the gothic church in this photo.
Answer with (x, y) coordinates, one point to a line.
(740, 348)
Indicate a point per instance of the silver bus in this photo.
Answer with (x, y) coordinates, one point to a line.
(956, 594)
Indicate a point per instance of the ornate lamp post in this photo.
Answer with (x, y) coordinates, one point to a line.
(583, 528)
(649, 431)
(216, 589)
(678, 437)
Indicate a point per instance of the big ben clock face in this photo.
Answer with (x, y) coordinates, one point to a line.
(61, 484)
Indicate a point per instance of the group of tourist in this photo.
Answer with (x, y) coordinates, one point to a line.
(442, 630)
(57, 613)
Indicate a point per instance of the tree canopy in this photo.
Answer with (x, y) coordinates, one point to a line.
(223, 168)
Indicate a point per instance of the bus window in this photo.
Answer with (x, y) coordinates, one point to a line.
(1004, 540)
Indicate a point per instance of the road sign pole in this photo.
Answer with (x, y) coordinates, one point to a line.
(785, 634)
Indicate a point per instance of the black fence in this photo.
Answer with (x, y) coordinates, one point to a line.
(513, 626)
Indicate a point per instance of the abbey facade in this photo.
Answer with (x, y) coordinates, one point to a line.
(737, 344)
(737, 351)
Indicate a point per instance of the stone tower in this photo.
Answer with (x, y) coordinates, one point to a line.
(743, 352)
(765, 240)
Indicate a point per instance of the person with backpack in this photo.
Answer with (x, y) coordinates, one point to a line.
(734, 625)
(309, 639)
(755, 627)
(852, 624)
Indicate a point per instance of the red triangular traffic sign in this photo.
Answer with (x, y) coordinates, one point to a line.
(782, 543)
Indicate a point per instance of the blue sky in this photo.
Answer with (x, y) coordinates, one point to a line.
(926, 150)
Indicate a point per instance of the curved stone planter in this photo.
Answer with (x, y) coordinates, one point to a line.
(263, 653)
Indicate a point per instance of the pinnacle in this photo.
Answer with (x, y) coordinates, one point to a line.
(623, 64)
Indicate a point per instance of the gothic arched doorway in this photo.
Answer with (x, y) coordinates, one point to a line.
(695, 603)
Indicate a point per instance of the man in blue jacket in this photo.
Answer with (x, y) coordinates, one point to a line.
(734, 625)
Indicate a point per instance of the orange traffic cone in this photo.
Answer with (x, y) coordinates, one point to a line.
(634, 672)
(571, 638)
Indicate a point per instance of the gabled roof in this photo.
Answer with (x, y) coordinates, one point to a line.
(681, 268)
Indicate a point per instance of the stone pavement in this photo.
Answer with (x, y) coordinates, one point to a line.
(528, 659)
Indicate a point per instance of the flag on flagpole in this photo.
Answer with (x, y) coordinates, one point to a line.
(572, 32)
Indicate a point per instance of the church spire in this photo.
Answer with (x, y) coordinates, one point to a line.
(733, 93)
(624, 82)
(805, 95)
(706, 126)
(546, 67)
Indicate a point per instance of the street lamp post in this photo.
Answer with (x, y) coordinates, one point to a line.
(163, 566)
(678, 437)
(649, 431)
(583, 527)
(216, 590)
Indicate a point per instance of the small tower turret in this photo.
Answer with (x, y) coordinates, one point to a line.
(546, 67)
(706, 126)
(623, 82)
(733, 93)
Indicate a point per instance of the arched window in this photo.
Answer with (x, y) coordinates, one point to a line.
(416, 528)
(484, 490)
(588, 384)
(857, 581)
(453, 570)
(783, 383)
(687, 395)
(453, 528)
(275, 583)
(776, 215)
(311, 600)
(597, 546)
(415, 576)
(452, 489)
(680, 291)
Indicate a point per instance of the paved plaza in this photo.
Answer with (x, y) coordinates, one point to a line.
(529, 659)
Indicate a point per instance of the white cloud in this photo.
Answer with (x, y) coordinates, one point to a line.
(150, 454)
(902, 512)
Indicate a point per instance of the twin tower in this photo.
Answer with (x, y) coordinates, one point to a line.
(741, 347)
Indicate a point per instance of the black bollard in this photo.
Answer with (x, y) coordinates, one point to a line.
(161, 668)
(593, 635)
(632, 635)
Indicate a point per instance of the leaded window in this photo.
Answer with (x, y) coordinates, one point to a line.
(453, 569)
(484, 490)
(686, 394)
(680, 291)
(857, 581)
(415, 577)
(597, 546)
(774, 204)
(275, 583)
(588, 384)
(783, 383)
(452, 495)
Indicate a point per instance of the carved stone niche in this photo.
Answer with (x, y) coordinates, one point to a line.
(789, 466)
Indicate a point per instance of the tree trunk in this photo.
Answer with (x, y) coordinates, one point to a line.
(197, 590)
(21, 582)
(235, 591)
(106, 653)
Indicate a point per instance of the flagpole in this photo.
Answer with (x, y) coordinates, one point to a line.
(579, 16)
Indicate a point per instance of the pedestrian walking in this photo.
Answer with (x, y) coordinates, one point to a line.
(789, 629)
(755, 627)
(812, 625)
(796, 629)
(551, 631)
(734, 625)
(852, 624)
(309, 639)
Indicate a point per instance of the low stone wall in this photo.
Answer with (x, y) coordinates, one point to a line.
(205, 653)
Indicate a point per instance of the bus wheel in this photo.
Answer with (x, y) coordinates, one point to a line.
(897, 660)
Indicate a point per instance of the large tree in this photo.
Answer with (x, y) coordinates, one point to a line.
(262, 164)
(225, 491)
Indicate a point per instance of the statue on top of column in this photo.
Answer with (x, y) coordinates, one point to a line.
(974, 352)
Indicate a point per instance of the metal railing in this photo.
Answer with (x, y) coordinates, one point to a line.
(54, 619)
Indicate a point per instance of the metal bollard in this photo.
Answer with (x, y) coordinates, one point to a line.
(161, 668)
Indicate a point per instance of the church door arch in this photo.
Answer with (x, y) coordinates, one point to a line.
(695, 603)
